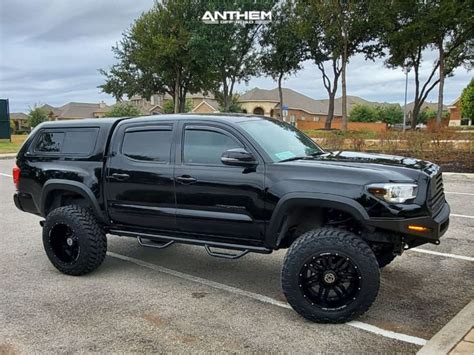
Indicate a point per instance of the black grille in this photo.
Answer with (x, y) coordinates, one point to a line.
(436, 193)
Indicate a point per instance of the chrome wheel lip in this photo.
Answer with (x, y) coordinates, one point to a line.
(355, 286)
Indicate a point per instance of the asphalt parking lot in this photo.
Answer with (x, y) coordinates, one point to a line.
(179, 299)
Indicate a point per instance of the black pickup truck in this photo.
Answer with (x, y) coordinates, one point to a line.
(233, 184)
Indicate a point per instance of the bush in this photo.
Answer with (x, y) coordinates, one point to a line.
(363, 113)
(123, 110)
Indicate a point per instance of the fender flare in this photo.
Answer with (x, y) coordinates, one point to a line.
(294, 199)
(73, 186)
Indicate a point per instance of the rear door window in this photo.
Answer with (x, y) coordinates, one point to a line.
(148, 145)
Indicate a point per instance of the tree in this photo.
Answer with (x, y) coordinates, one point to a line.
(467, 101)
(283, 49)
(390, 114)
(453, 38)
(123, 110)
(363, 113)
(36, 116)
(162, 53)
(413, 26)
(168, 106)
(230, 47)
(335, 30)
(234, 105)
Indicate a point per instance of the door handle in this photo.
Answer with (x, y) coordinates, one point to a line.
(119, 177)
(186, 179)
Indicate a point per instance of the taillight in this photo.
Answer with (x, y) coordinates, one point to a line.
(16, 176)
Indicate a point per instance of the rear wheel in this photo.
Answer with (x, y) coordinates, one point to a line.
(330, 276)
(73, 240)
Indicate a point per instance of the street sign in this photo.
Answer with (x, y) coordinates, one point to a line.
(4, 119)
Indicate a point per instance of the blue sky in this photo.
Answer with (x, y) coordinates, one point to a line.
(50, 51)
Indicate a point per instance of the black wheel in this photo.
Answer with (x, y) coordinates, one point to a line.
(383, 253)
(330, 276)
(73, 240)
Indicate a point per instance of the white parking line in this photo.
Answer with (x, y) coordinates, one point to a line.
(7, 175)
(458, 193)
(265, 299)
(454, 256)
(460, 215)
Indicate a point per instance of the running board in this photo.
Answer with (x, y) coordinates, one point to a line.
(155, 244)
(241, 250)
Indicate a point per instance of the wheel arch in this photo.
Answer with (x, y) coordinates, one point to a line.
(60, 185)
(277, 226)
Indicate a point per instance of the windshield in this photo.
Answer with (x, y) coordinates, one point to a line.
(280, 140)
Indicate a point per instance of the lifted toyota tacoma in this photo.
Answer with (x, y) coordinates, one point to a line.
(233, 184)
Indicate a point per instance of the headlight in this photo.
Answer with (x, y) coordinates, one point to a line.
(393, 193)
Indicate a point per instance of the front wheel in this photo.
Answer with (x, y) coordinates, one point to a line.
(330, 276)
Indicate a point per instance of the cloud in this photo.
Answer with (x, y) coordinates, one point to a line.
(50, 51)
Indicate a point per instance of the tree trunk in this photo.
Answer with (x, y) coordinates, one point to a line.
(225, 95)
(177, 95)
(327, 124)
(280, 92)
(415, 113)
(439, 115)
(344, 90)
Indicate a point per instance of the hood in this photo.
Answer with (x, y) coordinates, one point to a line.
(393, 167)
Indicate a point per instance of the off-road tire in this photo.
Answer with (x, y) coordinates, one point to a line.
(87, 235)
(323, 241)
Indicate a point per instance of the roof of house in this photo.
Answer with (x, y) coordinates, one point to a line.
(77, 109)
(426, 105)
(296, 100)
(18, 116)
(209, 102)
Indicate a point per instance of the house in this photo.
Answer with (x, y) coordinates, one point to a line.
(76, 110)
(427, 106)
(200, 103)
(300, 107)
(455, 117)
(20, 122)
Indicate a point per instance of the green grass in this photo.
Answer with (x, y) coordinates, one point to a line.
(13, 146)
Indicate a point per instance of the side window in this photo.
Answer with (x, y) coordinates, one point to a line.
(80, 141)
(50, 142)
(153, 145)
(70, 141)
(203, 146)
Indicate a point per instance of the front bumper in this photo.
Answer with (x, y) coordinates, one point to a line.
(438, 225)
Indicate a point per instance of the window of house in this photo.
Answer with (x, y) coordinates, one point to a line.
(203, 146)
(151, 145)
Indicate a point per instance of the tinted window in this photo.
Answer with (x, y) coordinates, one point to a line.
(148, 145)
(80, 141)
(206, 147)
(71, 141)
(50, 142)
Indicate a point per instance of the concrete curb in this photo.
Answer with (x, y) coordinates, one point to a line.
(8, 156)
(451, 334)
(459, 175)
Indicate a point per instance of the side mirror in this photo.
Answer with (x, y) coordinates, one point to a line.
(238, 157)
